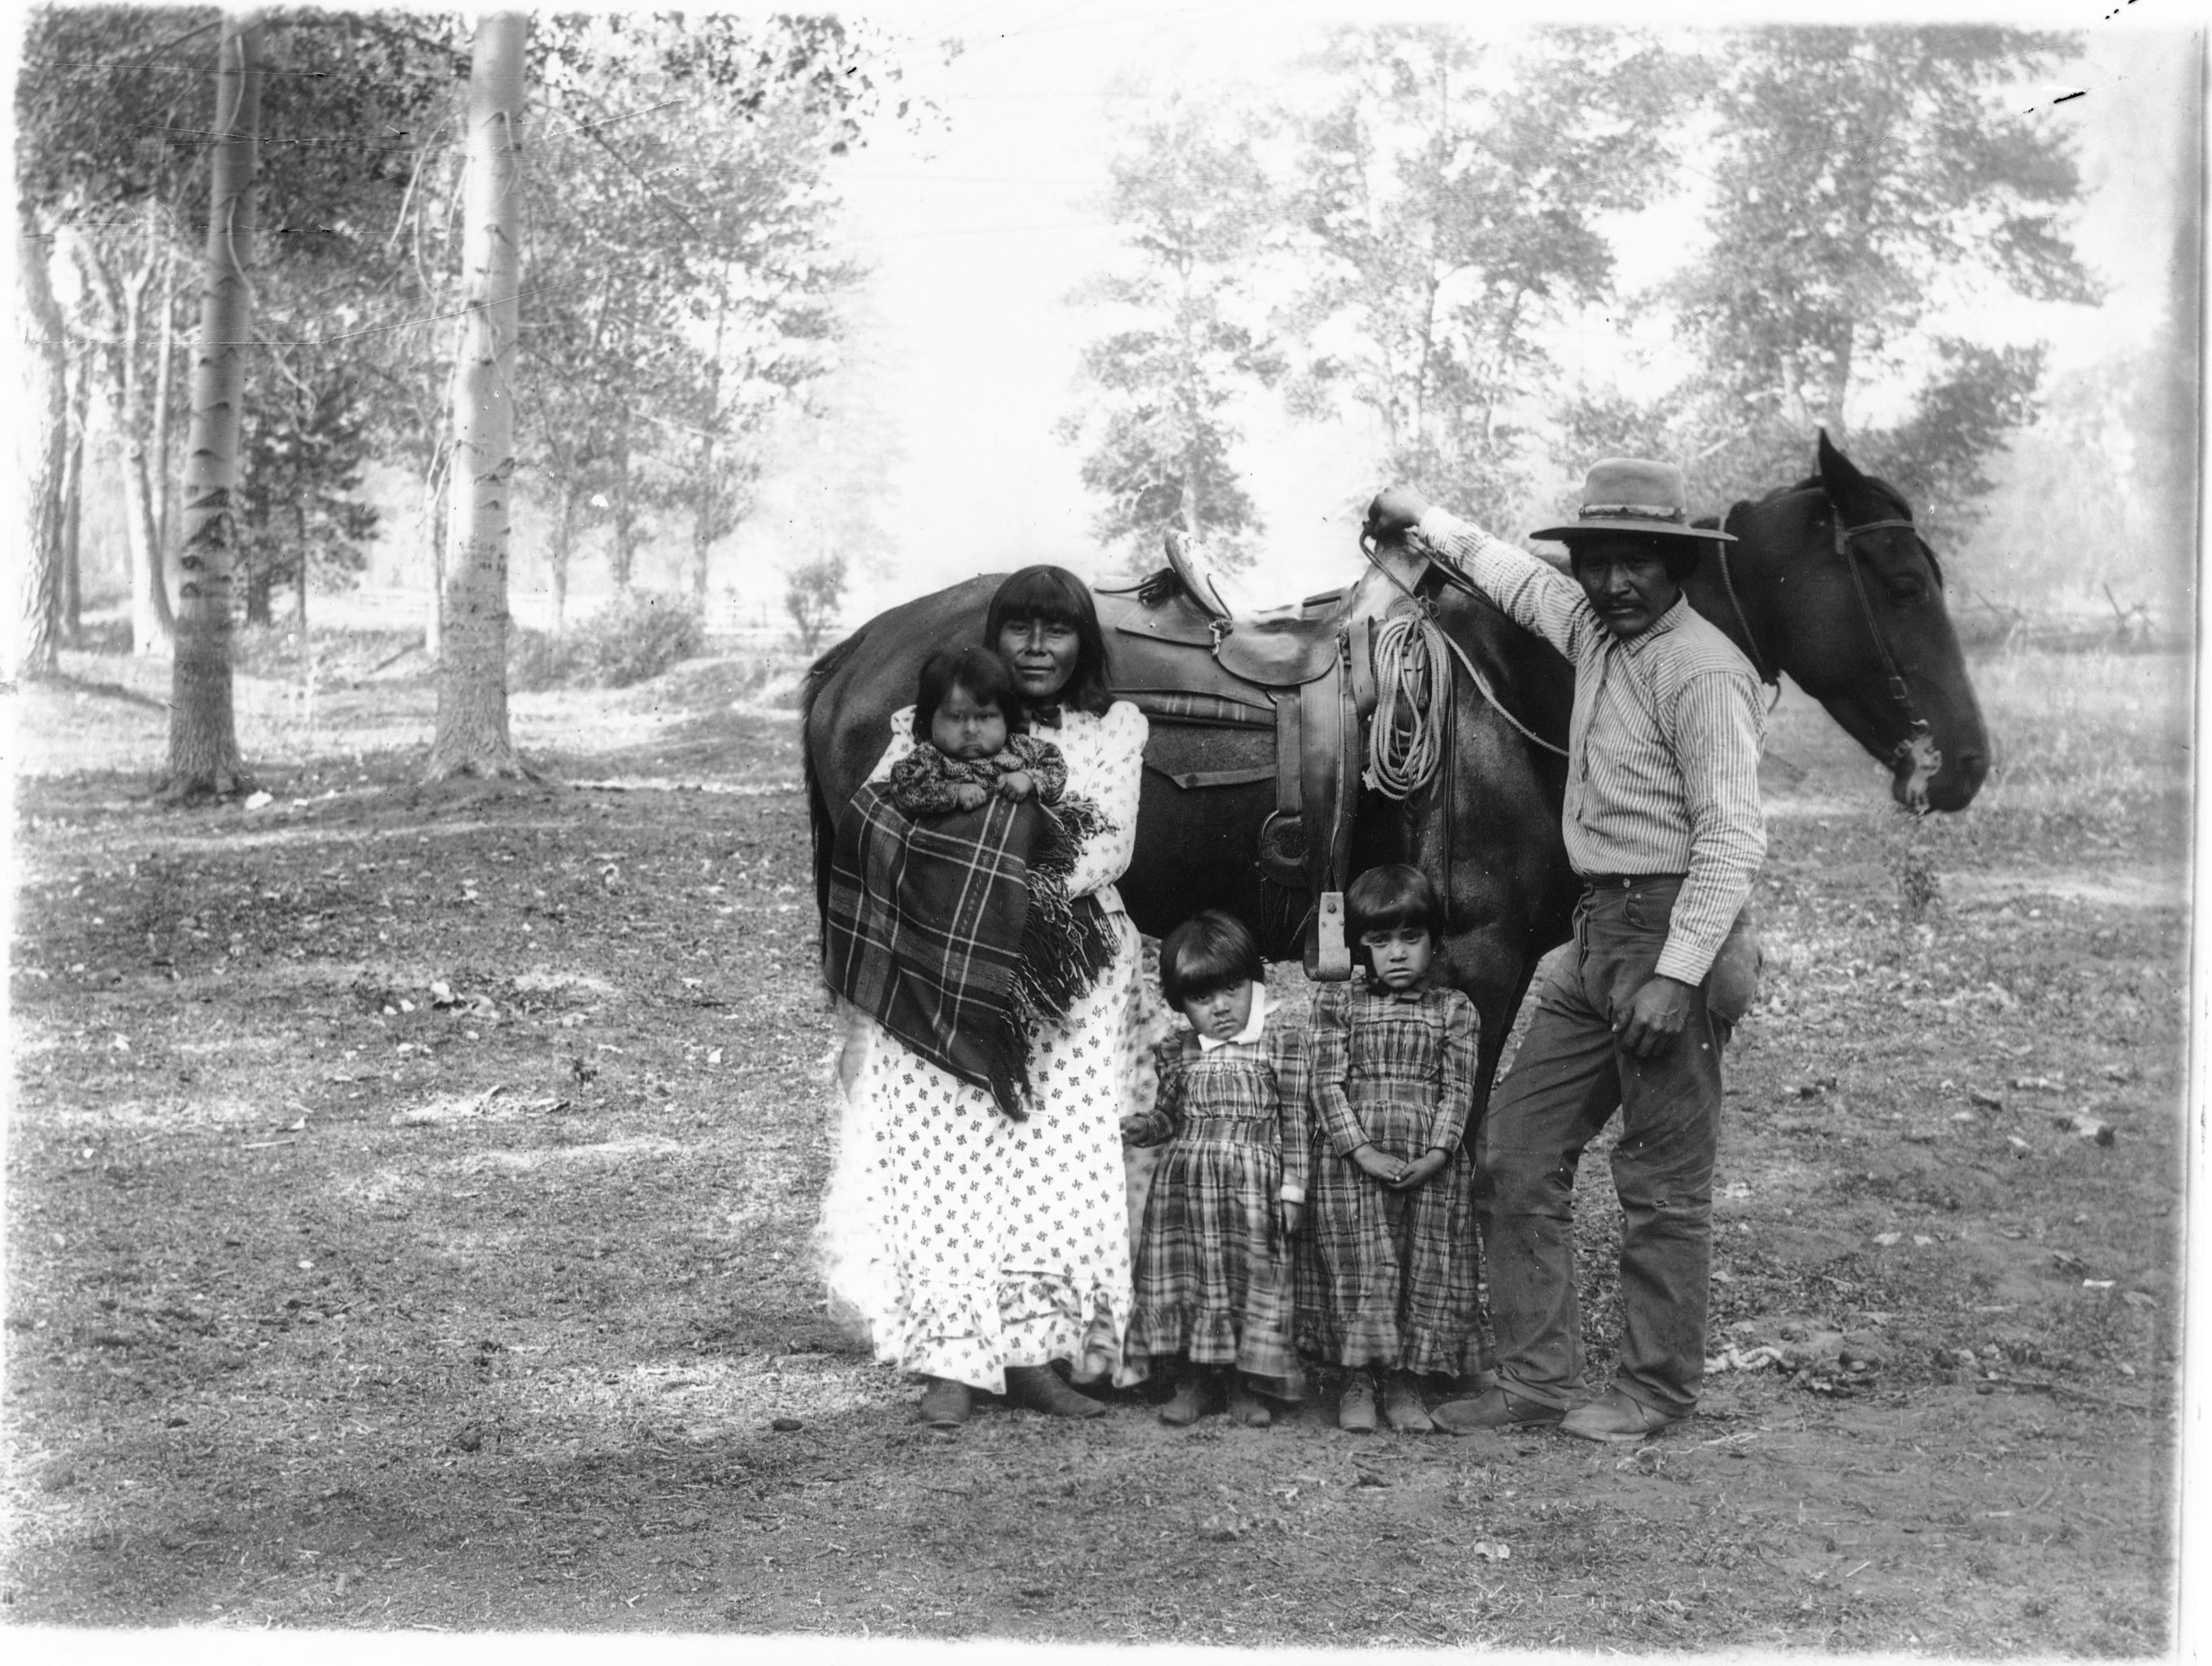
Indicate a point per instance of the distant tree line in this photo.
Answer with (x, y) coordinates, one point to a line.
(1408, 243)
(610, 237)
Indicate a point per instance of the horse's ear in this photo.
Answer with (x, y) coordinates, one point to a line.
(1838, 472)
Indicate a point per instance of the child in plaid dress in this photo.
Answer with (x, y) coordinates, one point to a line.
(1214, 1278)
(1388, 1277)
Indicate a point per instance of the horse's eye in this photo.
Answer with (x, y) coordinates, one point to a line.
(1906, 590)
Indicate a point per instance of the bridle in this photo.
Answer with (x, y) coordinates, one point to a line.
(1916, 727)
(1918, 736)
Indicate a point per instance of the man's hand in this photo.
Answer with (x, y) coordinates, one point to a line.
(1294, 1215)
(1655, 1017)
(1383, 1168)
(1395, 511)
(1420, 1170)
(1017, 785)
(969, 795)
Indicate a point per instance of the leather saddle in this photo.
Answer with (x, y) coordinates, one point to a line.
(1306, 671)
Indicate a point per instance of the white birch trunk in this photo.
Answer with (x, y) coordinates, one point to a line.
(204, 754)
(41, 459)
(472, 738)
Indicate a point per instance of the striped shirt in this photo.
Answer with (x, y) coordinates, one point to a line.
(1663, 749)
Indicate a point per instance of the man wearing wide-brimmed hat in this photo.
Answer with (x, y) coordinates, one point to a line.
(1663, 827)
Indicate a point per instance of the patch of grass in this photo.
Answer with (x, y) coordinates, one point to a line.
(2084, 733)
(409, 1196)
(273, 652)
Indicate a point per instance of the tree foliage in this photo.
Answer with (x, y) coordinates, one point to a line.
(309, 440)
(1866, 180)
(1187, 341)
(1451, 213)
(690, 287)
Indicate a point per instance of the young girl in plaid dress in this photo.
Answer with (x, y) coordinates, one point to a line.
(1388, 1278)
(1214, 1280)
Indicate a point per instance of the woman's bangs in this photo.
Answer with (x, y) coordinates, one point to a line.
(1038, 592)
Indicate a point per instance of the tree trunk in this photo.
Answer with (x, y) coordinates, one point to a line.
(299, 577)
(258, 585)
(204, 756)
(472, 736)
(41, 457)
(565, 542)
(708, 504)
(619, 557)
(152, 624)
(68, 573)
(433, 529)
(705, 506)
(164, 498)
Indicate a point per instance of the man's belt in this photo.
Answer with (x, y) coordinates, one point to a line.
(1623, 881)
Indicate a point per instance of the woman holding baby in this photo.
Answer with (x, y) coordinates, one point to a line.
(977, 1218)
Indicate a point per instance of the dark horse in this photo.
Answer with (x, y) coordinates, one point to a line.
(1828, 582)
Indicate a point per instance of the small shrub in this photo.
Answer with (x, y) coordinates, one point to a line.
(630, 639)
(536, 660)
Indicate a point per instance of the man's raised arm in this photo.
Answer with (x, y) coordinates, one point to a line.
(1536, 597)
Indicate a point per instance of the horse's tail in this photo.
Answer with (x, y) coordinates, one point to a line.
(821, 822)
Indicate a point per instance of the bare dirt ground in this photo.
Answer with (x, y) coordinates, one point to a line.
(409, 1198)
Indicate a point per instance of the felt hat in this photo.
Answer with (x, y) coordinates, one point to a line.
(1633, 495)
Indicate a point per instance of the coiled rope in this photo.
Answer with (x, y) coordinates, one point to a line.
(1405, 741)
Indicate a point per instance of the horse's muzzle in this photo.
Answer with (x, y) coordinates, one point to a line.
(1922, 778)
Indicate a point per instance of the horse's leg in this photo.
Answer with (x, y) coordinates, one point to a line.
(1509, 889)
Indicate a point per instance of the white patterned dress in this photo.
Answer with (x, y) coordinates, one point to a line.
(967, 1242)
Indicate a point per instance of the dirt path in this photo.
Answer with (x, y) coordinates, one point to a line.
(409, 1199)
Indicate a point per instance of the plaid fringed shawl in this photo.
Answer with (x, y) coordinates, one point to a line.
(955, 933)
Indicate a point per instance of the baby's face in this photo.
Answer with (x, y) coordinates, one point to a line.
(1222, 1015)
(968, 728)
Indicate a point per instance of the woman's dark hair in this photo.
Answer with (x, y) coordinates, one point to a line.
(1207, 952)
(1058, 597)
(982, 672)
(1384, 899)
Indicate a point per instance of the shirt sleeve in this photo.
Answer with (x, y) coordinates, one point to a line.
(1044, 761)
(1287, 1041)
(1159, 1124)
(1535, 596)
(1331, 1067)
(902, 743)
(1463, 1063)
(1716, 738)
(920, 786)
(1114, 784)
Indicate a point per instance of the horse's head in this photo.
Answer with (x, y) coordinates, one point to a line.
(1847, 598)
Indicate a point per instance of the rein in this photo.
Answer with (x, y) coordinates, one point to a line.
(1917, 731)
(1769, 676)
(1445, 572)
(1916, 725)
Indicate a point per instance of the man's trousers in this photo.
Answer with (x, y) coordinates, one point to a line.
(1568, 1079)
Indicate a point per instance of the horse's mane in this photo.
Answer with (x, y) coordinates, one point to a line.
(820, 823)
(1812, 483)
